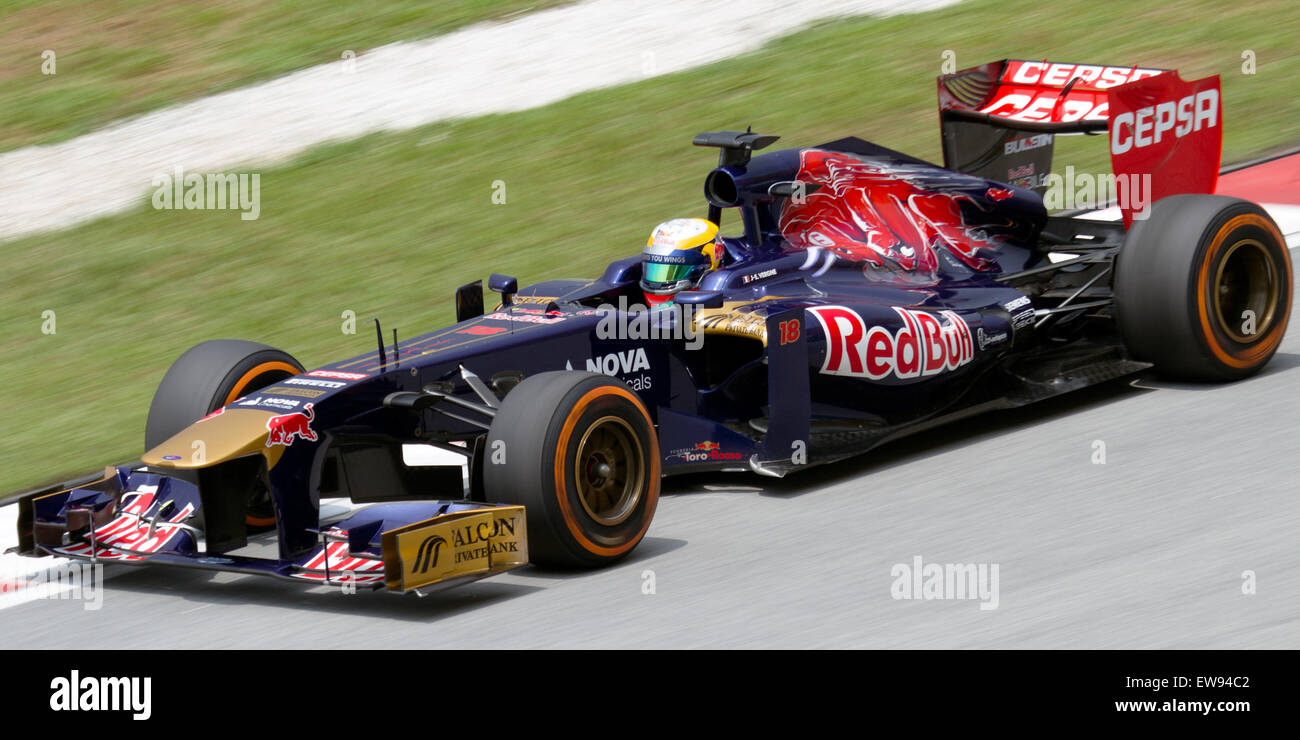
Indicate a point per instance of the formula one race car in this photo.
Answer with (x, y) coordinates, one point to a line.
(866, 295)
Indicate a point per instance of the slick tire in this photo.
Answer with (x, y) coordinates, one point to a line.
(578, 450)
(208, 376)
(1203, 288)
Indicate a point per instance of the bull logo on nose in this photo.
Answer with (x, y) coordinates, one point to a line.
(285, 427)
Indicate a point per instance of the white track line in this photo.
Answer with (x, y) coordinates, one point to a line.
(485, 68)
(1288, 220)
(1286, 216)
(24, 579)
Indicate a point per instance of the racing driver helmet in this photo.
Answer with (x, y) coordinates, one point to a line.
(678, 254)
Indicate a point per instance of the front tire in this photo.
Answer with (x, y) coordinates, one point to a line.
(578, 450)
(1203, 288)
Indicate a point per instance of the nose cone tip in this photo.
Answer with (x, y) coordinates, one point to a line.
(215, 439)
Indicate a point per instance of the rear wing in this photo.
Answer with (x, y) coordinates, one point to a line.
(1000, 120)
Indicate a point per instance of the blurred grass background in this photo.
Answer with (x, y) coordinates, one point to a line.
(119, 58)
(389, 225)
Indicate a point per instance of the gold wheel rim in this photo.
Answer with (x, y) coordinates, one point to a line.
(609, 471)
(1245, 279)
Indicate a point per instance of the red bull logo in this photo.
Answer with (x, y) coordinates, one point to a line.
(924, 345)
(707, 446)
(285, 427)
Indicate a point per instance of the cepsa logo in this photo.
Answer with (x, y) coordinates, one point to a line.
(1170, 131)
(924, 345)
(1058, 74)
(337, 375)
(1033, 91)
(1147, 126)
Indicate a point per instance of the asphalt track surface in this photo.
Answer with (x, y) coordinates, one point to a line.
(1147, 550)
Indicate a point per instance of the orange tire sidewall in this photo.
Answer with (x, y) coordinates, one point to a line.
(248, 377)
(562, 486)
(1250, 355)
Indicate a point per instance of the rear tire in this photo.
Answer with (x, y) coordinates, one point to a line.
(1203, 288)
(208, 376)
(578, 450)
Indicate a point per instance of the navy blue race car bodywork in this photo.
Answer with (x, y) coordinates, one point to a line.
(864, 295)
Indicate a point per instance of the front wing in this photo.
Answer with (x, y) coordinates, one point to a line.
(136, 517)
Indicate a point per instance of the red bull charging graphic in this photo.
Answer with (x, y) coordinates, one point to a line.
(285, 427)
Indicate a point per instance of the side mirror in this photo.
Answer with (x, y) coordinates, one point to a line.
(469, 301)
(506, 285)
(701, 298)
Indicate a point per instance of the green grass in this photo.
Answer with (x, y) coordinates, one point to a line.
(118, 58)
(389, 225)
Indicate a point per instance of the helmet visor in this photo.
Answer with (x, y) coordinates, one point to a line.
(662, 273)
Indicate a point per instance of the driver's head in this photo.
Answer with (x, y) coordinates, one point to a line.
(677, 256)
